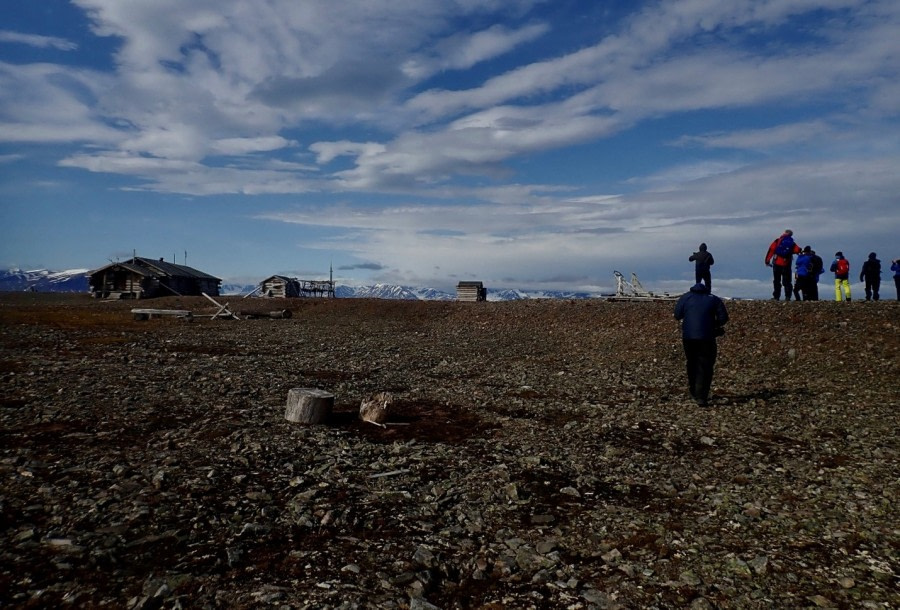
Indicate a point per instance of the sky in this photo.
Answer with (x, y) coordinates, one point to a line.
(528, 144)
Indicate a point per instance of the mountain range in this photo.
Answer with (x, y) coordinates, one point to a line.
(76, 280)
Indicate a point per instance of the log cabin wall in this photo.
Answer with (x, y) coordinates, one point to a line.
(280, 287)
(471, 291)
(147, 278)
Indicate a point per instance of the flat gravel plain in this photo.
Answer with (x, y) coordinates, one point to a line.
(538, 454)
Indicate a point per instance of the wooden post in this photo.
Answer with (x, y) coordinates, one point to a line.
(308, 405)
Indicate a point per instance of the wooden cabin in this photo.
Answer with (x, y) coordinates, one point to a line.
(279, 286)
(471, 291)
(145, 278)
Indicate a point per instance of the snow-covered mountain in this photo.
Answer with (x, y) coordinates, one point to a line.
(227, 289)
(390, 291)
(44, 280)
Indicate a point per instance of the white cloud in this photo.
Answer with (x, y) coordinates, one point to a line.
(465, 50)
(763, 139)
(243, 146)
(36, 40)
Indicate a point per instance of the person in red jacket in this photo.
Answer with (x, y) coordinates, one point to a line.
(779, 257)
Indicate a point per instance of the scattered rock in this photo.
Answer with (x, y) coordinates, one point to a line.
(159, 457)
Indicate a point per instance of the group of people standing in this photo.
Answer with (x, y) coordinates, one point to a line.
(703, 315)
(809, 267)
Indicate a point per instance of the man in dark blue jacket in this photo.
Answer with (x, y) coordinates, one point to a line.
(702, 317)
(702, 260)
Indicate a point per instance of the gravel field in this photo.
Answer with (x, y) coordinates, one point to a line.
(541, 454)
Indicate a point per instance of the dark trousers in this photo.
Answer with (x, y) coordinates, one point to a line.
(897, 285)
(701, 359)
(703, 276)
(872, 286)
(812, 289)
(798, 287)
(806, 285)
(781, 276)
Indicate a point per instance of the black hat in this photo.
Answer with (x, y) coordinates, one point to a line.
(839, 253)
(807, 249)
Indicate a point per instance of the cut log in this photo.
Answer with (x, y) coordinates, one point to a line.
(375, 408)
(145, 314)
(308, 405)
(284, 314)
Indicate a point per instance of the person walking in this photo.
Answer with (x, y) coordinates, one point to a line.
(871, 275)
(779, 256)
(702, 260)
(803, 274)
(702, 317)
(840, 266)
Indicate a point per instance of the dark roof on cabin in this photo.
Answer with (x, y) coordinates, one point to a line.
(141, 265)
(280, 277)
(470, 285)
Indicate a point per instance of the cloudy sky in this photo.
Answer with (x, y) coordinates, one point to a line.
(532, 144)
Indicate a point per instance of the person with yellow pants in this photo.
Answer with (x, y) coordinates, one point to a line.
(840, 266)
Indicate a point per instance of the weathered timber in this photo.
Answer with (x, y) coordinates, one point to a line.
(223, 312)
(308, 405)
(284, 314)
(146, 314)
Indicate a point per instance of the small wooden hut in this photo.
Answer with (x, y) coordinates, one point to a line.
(471, 291)
(144, 278)
(279, 286)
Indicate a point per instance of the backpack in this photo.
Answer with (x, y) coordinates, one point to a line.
(842, 267)
(816, 265)
(785, 247)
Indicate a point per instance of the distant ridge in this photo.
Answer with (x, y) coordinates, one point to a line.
(76, 280)
(44, 280)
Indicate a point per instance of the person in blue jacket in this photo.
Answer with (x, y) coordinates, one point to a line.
(803, 275)
(702, 260)
(702, 317)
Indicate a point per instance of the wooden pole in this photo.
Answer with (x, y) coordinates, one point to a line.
(308, 405)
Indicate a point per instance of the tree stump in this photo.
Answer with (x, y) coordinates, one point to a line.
(375, 408)
(308, 405)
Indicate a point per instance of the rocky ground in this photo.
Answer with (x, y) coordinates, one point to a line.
(541, 454)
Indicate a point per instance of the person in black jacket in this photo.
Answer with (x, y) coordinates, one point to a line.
(871, 275)
(702, 316)
(702, 260)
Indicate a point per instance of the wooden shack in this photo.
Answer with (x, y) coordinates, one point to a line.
(144, 278)
(279, 287)
(471, 291)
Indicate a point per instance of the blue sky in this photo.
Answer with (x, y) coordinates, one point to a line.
(529, 144)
